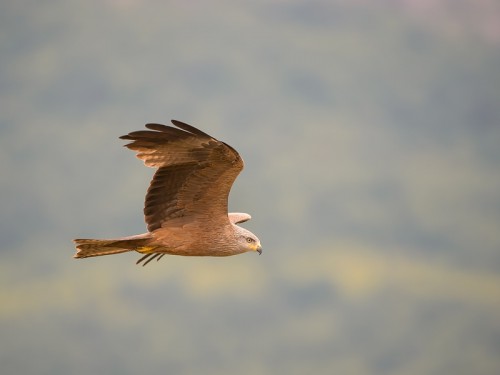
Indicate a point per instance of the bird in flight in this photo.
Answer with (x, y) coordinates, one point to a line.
(186, 205)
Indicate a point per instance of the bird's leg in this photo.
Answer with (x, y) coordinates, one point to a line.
(150, 259)
(146, 257)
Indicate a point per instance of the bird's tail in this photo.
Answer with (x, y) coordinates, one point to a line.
(92, 248)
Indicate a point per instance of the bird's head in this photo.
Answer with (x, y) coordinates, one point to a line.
(247, 241)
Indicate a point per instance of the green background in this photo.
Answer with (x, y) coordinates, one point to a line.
(370, 132)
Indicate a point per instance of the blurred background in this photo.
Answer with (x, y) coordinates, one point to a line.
(371, 135)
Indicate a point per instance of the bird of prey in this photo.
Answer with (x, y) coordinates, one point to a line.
(187, 201)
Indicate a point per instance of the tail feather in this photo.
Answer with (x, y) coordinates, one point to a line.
(92, 248)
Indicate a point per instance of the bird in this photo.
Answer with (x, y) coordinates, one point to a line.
(186, 204)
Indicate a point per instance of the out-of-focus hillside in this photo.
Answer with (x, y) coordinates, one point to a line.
(370, 134)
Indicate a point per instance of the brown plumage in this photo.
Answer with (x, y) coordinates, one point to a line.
(186, 203)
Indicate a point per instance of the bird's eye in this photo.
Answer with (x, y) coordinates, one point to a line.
(249, 240)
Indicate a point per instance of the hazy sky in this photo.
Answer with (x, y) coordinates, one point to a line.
(370, 134)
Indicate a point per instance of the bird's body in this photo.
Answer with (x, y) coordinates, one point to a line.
(186, 203)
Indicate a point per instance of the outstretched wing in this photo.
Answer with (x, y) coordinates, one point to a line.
(195, 174)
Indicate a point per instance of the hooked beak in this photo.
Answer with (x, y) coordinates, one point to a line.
(259, 249)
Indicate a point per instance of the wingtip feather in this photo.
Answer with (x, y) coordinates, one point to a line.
(190, 128)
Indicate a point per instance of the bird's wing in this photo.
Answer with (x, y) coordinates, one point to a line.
(195, 174)
(238, 217)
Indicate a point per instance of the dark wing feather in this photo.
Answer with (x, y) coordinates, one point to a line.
(190, 128)
(195, 174)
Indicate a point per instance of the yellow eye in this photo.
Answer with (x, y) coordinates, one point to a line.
(249, 240)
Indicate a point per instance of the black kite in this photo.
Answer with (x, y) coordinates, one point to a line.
(187, 201)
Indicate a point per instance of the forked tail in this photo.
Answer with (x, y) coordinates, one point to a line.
(92, 248)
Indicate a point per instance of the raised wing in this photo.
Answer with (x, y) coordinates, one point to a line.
(238, 217)
(195, 174)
